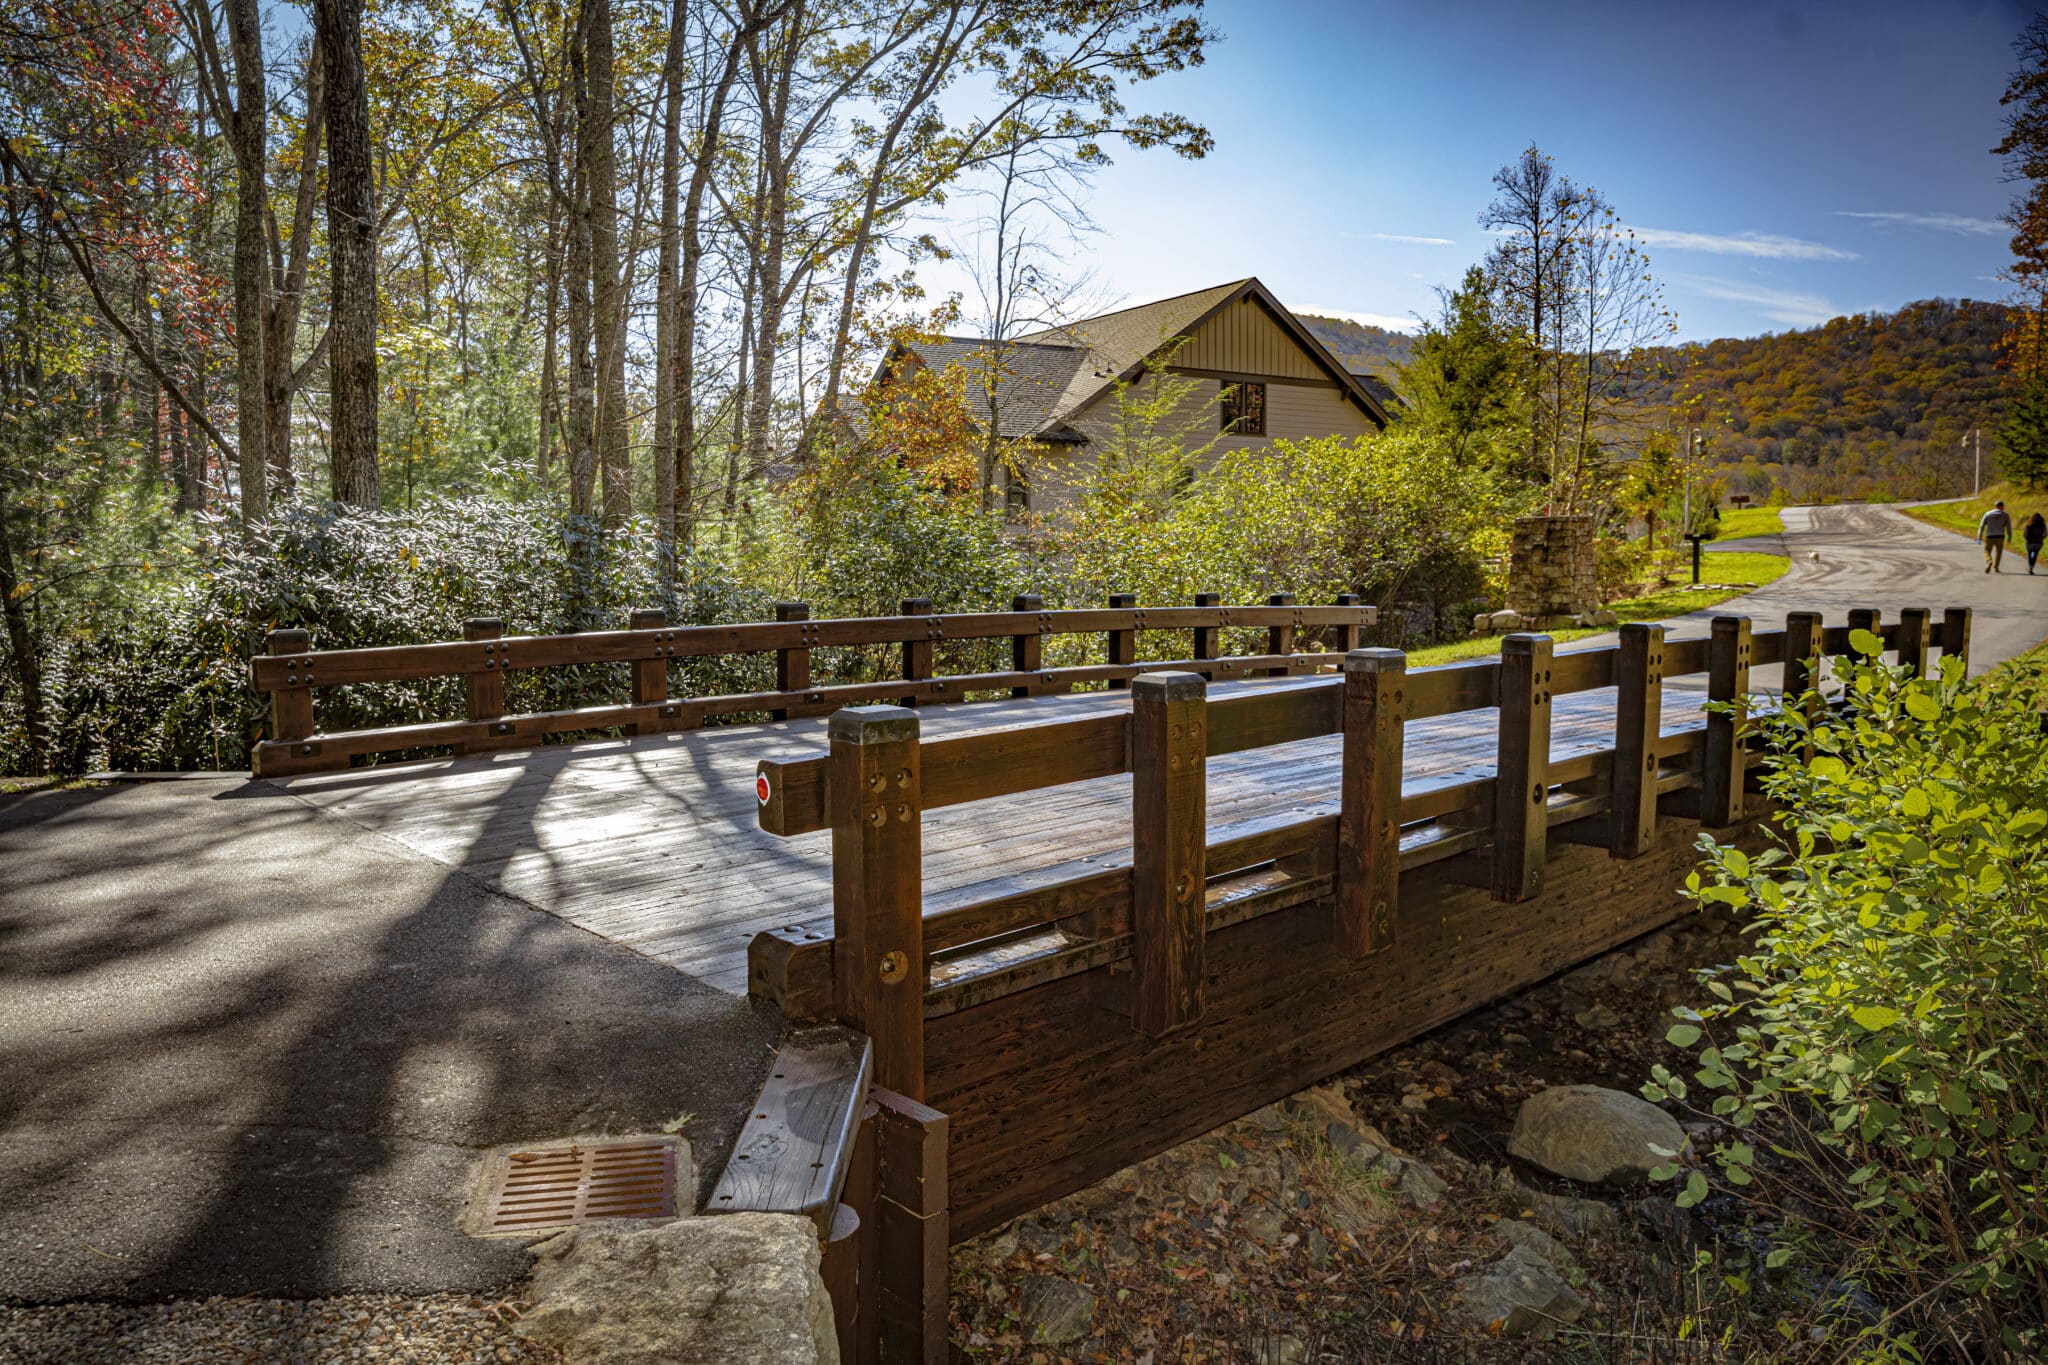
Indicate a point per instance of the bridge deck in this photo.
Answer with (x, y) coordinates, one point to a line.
(652, 842)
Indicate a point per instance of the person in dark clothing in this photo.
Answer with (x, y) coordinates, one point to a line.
(2036, 532)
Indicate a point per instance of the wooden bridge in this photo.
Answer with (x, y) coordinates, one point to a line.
(1058, 931)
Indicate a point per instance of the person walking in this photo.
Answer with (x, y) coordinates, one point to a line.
(2036, 532)
(1992, 529)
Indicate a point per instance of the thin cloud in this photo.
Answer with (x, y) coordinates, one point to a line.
(1957, 223)
(1789, 307)
(1404, 238)
(1762, 245)
(1381, 320)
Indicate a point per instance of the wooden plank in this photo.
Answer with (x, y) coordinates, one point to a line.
(1582, 671)
(1123, 643)
(796, 1147)
(1450, 688)
(1722, 764)
(792, 662)
(650, 676)
(878, 887)
(1369, 822)
(1522, 780)
(917, 653)
(1206, 634)
(1638, 716)
(1911, 638)
(1684, 657)
(484, 693)
(1342, 639)
(1027, 648)
(1767, 647)
(913, 1212)
(1860, 618)
(1168, 866)
(291, 697)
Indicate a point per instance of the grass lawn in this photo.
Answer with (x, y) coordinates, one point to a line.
(1737, 522)
(1739, 571)
(1962, 517)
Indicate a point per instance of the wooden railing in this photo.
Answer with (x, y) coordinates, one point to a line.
(292, 669)
(894, 958)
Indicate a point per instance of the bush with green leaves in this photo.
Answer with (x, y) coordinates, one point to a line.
(1886, 1037)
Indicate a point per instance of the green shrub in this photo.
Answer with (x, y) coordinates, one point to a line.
(1888, 1033)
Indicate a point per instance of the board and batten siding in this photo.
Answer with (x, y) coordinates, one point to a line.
(1243, 339)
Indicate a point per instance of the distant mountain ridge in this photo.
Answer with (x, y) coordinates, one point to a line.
(1871, 403)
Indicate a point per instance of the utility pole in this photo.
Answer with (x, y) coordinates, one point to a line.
(1977, 465)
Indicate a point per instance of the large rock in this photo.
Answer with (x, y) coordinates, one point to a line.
(1593, 1135)
(1053, 1311)
(1526, 1298)
(736, 1289)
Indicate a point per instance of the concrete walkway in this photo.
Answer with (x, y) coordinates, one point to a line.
(250, 1048)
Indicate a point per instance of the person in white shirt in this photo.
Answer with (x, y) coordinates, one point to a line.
(1992, 529)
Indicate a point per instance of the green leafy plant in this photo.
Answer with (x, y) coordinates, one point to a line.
(1887, 1036)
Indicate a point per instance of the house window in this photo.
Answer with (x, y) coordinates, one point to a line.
(1244, 409)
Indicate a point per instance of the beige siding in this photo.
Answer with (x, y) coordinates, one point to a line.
(1244, 339)
(1293, 411)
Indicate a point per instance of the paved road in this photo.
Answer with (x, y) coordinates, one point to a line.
(1859, 556)
(246, 1047)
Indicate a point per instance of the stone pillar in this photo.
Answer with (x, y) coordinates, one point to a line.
(1551, 571)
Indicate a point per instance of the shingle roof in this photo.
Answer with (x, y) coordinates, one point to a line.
(1051, 374)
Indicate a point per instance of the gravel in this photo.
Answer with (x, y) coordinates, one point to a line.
(444, 1329)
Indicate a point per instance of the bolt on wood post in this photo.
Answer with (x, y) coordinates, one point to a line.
(1955, 635)
(291, 707)
(1169, 848)
(1027, 650)
(1638, 726)
(1206, 638)
(917, 654)
(1369, 793)
(1280, 639)
(1123, 644)
(484, 692)
(878, 969)
(1911, 638)
(1723, 758)
(650, 676)
(1344, 637)
(1521, 790)
(792, 664)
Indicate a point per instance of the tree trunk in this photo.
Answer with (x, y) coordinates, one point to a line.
(663, 450)
(608, 290)
(252, 208)
(352, 256)
(288, 290)
(28, 672)
(582, 432)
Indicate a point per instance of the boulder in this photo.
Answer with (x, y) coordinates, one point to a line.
(1519, 1298)
(737, 1289)
(1053, 1311)
(1481, 622)
(1527, 1242)
(1504, 620)
(1593, 1135)
(1606, 618)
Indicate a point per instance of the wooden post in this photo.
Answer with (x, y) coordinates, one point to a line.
(1638, 726)
(878, 974)
(1369, 816)
(650, 676)
(1911, 639)
(792, 665)
(1802, 655)
(1123, 644)
(1955, 635)
(913, 1222)
(1280, 639)
(1027, 650)
(291, 707)
(1169, 839)
(1206, 637)
(1723, 762)
(917, 654)
(1521, 791)
(484, 693)
(1344, 638)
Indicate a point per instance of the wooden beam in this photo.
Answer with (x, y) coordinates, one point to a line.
(796, 1148)
(1207, 643)
(1279, 637)
(1123, 644)
(1369, 795)
(1522, 786)
(1345, 638)
(917, 653)
(878, 887)
(1169, 803)
(1638, 723)
(792, 662)
(913, 1229)
(1911, 638)
(1862, 618)
(1723, 761)
(291, 706)
(650, 676)
(1955, 635)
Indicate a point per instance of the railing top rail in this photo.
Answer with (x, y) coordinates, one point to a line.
(396, 663)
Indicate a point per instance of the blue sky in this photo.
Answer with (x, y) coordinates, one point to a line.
(1786, 162)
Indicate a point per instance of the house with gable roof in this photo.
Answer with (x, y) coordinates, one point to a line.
(1251, 362)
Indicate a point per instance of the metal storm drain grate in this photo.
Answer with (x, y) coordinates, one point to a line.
(554, 1187)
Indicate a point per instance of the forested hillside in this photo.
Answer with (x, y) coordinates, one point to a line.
(1872, 404)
